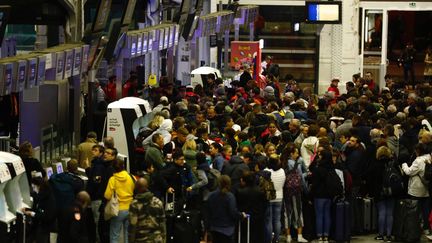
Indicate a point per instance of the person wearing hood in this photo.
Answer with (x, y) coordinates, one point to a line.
(154, 152)
(164, 129)
(146, 216)
(43, 212)
(84, 152)
(235, 169)
(391, 139)
(309, 145)
(122, 184)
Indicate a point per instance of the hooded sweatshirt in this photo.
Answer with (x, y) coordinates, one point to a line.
(124, 186)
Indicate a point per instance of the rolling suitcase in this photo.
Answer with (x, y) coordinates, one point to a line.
(342, 224)
(170, 218)
(367, 214)
(247, 230)
(187, 227)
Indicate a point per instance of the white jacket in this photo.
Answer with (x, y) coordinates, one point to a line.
(416, 183)
(308, 147)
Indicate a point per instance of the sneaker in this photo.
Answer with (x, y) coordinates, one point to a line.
(325, 240)
(379, 237)
(301, 239)
(289, 239)
(429, 237)
(388, 239)
(321, 239)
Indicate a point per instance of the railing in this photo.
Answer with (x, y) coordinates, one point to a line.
(5, 143)
(54, 144)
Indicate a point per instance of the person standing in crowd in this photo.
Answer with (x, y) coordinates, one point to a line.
(122, 184)
(176, 177)
(385, 201)
(146, 216)
(77, 220)
(406, 60)
(30, 163)
(218, 160)
(101, 103)
(222, 212)
(322, 193)
(293, 192)
(65, 186)
(417, 187)
(154, 152)
(130, 87)
(334, 88)
(370, 82)
(273, 214)
(84, 152)
(43, 212)
(111, 89)
(252, 200)
(98, 175)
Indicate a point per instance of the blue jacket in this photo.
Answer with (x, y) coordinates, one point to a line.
(222, 212)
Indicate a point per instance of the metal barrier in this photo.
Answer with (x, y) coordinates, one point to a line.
(54, 144)
(5, 143)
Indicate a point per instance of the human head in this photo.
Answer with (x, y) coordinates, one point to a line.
(190, 144)
(110, 154)
(270, 149)
(97, 151)
(148, 166)
(26, 150)
(248, 178)
(108, 142)
(224, 184)
(157, 139)
(215, 148)
(272, 128)
(182, 133)
(72, 166)
(118, 165)
(227, 150)
(274, 162)
(141, 185)
(354, 141)
(201, 158)
(83, 199)
(294, 126)
(112, 78)
(178, 157)
(383, 152)
(91, 135)
(368, 76)
(334, 82)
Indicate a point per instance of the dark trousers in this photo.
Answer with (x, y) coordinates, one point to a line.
(221, 238)
(409, 71)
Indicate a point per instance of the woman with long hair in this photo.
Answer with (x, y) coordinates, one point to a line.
(30, 163)
(222, 212)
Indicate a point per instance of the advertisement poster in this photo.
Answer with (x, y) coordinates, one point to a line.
(246, 52)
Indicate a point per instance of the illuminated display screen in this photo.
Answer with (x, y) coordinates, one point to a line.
(323, 12)
(139, 45)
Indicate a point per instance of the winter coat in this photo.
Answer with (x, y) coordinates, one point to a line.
(308, 148)
(98, 175)
(416, 183)
(154, 154)
(123, 184)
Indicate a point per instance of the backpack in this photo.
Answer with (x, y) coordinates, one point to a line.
(428, 171)
(213, 179)
(293, 182)
(333, 183)
(65, 187)
(267, 186)
(393, 184)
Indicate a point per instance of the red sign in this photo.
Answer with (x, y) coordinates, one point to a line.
(246, 52)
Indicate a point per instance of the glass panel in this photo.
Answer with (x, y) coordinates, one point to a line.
(373, 30)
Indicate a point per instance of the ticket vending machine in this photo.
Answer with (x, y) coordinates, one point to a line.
(16, 193)
(7, 218)
(121, 117)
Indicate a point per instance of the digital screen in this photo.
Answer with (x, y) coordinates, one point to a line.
(161, 39)
(32, 74)
(327, 12)
(151, 36)
(41, 71)
(133, 40)
(8, 78)
(59, 168)
(167, 34)
(145, 42)
(21, 74)
(139, 45)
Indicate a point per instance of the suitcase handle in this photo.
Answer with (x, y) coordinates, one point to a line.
(248, 229)
(173, 202)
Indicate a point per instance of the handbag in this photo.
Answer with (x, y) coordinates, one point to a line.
(112, 206)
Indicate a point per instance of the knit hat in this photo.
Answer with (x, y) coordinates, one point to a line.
(268, 91)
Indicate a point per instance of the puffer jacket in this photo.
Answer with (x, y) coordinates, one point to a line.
(416, 183)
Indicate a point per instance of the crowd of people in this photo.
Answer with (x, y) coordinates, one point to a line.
(279, 157)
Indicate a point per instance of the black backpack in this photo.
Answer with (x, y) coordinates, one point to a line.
(213, 179)
(334, 184)
(393, 183)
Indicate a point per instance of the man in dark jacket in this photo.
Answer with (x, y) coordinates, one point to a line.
(77, 223)
(176, 177)
(98, 175)
(154, 152)
(355, 159)
(65, 186)
(177, 142)
(251, 200)
(235, 169)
